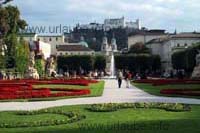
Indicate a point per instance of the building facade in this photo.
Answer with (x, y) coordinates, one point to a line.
(144, 36)
(74, 49)
(165, 47)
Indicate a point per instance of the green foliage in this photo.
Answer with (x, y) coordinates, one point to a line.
(99, 62)
(22, 56)
(10, 25)
(110, 107)
(86, 62)
(40, 66)
(71, 117)
(185, 59)
(139, 48)
(138, 62)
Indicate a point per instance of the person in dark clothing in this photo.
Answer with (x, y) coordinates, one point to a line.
(119, 78)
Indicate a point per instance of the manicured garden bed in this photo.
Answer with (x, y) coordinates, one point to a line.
(191, 90)
(48, 90)
(126, 119)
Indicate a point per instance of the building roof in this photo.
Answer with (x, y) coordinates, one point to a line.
(187, 35)
(73, 47)
(148, 32)
(158, 40)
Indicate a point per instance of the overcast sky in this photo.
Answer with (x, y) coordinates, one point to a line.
(183, 15)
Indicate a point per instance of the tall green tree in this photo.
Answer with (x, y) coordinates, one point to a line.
(22, 56)
(10, 25)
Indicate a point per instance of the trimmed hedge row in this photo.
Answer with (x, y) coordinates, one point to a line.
(133, 62)
(110, 107)
(138, 63)
(85, 62)
(71, 117)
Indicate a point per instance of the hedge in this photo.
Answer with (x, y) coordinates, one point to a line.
(185, 59)
(138, 62)
(85, 62)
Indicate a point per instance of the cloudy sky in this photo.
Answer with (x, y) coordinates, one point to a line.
(183, 15)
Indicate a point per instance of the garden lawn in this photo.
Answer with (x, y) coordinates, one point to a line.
(155, 90)
(124, 120)
(95, 88)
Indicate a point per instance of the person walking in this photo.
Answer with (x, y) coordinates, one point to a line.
(128, 76)
(119, 78)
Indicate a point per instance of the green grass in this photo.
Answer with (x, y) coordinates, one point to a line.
(125, 120)
(155, 90)
(96, 90)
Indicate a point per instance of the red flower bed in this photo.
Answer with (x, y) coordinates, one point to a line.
(157, 82)
(23, 88)
(187, 92)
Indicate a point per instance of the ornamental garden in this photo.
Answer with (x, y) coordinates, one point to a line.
(79, 93)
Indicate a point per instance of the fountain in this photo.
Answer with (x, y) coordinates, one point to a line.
(108, 50)
(112, 67)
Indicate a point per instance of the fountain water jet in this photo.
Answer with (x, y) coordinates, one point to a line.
(112, 67)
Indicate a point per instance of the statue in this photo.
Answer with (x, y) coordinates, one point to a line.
(51, 72)
(196, 71)
(31, 72)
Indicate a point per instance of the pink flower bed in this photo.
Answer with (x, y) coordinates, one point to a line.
(22, 89)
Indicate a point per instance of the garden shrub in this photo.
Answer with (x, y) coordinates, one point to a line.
(110, 107)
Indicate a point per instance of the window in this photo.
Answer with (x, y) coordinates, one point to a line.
(56, 39)
(50, 39)
(178, 45)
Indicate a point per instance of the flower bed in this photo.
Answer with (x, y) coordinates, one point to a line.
(158, 82)
(23, 89)
(186, 92)
(82, 82)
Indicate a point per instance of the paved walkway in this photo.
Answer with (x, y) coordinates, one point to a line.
(112, 94)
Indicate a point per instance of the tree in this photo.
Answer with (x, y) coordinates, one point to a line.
(40, 66)
(185, 59)
(22, 56)
(10, 25)
(139, 48)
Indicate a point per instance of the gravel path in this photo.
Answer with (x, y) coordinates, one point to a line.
(112, 94)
